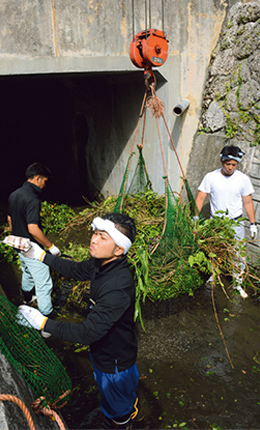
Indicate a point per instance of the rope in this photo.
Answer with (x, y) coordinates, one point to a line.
(156, 107)
(37, 406)
(163, 15)
(161, 147)
(139, 119)
(53, 405)
(144, 122)
(167, 128)
(165, 216)
(22, 407)
(218, 324)
(145, 18)
(133, 18)
(150, 14)
(132, 147)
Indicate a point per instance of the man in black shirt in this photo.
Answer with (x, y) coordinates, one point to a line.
(109, 327)
(24, 220)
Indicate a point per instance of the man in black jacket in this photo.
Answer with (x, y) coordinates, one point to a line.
(24, 207)
(109, 327)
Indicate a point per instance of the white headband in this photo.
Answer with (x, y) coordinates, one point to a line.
(109, 227)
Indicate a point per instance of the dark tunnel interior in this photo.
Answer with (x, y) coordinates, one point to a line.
(35, 125)
(49, 118)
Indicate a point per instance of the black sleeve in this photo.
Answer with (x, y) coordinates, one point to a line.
(80, 271)
(100, 320)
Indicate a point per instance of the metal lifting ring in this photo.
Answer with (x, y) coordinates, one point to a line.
(149, 79)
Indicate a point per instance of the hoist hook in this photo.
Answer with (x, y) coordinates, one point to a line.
(149, 78)
(149, 49)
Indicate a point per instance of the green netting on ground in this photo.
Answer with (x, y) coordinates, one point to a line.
(24, 348)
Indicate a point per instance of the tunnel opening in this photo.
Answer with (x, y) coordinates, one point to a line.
(78, 125)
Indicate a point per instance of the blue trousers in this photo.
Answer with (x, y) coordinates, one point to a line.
(37, 274)
(118, 391)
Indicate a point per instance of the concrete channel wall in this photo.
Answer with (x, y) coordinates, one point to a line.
(90, 39)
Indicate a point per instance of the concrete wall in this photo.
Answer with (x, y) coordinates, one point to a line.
(85, 38)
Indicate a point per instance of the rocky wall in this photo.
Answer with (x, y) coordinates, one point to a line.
(231, 103)
(12, 417)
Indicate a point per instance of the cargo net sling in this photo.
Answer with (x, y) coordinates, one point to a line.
(25, 349)
(168, 266)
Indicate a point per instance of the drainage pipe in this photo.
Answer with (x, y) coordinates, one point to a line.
(181, 107)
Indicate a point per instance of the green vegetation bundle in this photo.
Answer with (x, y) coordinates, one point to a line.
(171, 256)
(174, 262)
(159, 262)
(220, 253)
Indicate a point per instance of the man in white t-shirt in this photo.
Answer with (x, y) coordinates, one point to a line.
(229, 190)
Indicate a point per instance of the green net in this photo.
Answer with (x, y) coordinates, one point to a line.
(170, 273)
(169, 261)
(191, 201)
(122, 192)
(140, 180)
(177, 239)
(190, 196)
(24, 348)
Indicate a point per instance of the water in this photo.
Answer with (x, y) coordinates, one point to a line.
(186, 378)
(195, 380)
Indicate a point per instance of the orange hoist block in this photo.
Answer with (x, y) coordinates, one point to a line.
(149, 49)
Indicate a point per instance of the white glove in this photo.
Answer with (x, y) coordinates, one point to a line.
(18, 242)
(35, 252)
(253, 231)
(195, 218)
(33, 316)
(54, 250)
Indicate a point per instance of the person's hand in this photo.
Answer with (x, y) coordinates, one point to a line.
(253, 231)
(22, 243)
(54, 250)
(35, 252)
(33, 316)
